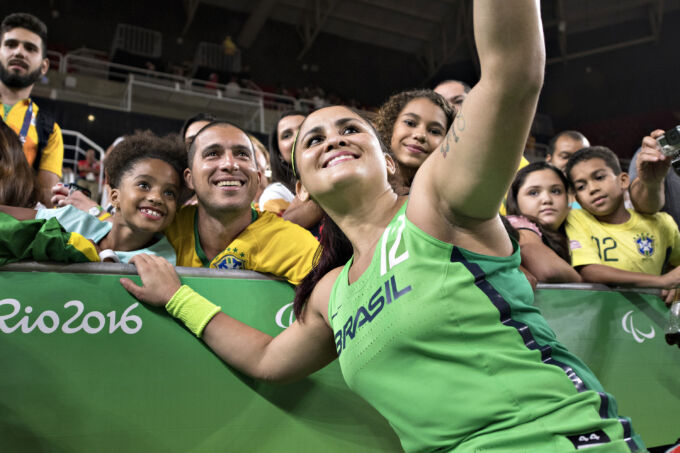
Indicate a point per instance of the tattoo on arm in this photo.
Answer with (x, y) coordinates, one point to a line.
(458, 123)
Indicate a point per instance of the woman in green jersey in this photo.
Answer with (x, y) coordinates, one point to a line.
(431, 320)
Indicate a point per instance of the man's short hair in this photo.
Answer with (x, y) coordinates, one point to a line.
(30, 23)
(466, 87)
(574, 135)
(593, 152)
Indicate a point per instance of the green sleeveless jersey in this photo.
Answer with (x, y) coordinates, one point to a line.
(447, 346)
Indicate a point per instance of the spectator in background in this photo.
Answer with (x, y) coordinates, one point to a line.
(23, 61)
(229, 46)
(194, 124)
(563, 145)
(88, 172)
(279, 197)
(280, 193)
(413, 123)
(537, 206)
(189, 129)
(609, 243)
(653, 187)
(454, 91)
(263, 167)
(17, 181)
(232, 89)
(213, 81)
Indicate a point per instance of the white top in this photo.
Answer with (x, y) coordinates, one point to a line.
(275, 191)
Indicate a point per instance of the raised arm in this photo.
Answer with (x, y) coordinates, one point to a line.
(651, 167)
(470, 173)
(301, 349)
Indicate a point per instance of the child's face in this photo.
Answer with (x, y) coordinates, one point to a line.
(598, 189)
(146, 198)
(418, 130)
(544, 197)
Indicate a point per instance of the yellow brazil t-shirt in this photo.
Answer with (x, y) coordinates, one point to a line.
(52, 157)
(269, 245)
(642, 244)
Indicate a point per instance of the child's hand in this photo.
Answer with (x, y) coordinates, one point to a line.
(652, 166)
(670, 295)
(670, 280)
(159, 280)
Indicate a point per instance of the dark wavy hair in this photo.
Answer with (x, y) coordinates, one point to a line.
(335, 249)
(389, 111)
(141, 146)
(556, 240)
(282, 172)
(17, 181)
(30, 23)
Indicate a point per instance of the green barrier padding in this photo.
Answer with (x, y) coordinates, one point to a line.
(620, 336)
(85, 367)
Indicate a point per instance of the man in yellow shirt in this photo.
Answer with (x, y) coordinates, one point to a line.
(23, 61)
(222, 230)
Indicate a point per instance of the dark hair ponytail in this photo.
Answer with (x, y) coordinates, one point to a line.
(334, 250)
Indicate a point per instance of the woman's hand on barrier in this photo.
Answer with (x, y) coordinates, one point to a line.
(159, 280)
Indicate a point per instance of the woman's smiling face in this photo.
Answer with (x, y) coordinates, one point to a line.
(337, 146)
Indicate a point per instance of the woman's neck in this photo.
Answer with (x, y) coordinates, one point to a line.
(364, 220)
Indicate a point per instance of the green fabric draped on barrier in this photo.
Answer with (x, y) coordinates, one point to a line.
(85, 367)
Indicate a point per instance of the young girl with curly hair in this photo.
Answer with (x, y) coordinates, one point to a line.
(413, 124)
(145, 174)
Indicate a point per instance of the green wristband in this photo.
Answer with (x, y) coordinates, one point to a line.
(194, 310)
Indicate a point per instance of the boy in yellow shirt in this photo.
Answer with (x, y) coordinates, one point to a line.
(609, 243)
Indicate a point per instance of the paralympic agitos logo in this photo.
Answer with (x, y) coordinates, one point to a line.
(638, 335)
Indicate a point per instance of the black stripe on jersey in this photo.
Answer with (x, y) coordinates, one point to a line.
(505, 312)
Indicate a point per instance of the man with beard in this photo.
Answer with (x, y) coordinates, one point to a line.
(23, 62)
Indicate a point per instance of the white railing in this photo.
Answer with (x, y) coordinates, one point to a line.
(79, 144)
(137, 41)
(136, 79)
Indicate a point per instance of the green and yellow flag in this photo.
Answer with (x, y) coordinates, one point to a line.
(42, 240)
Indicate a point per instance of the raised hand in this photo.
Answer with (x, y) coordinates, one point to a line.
(652, 166)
